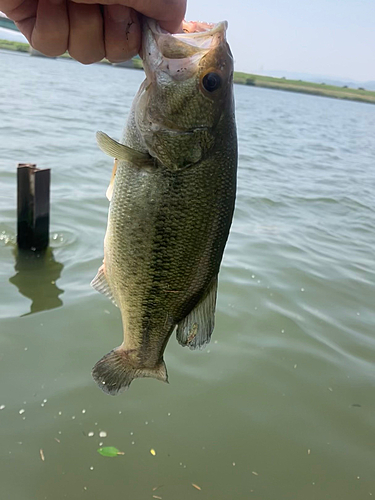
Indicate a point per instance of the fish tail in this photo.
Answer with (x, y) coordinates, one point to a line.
(114, 372)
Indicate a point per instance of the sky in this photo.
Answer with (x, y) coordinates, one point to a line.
(334, 38)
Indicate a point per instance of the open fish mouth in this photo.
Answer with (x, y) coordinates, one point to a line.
(195, 35)
(179, 54)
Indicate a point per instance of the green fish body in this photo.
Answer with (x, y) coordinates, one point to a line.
(171, 202)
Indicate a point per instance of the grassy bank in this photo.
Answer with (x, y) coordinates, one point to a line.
(15, 46)
(319, 89)
(305, 87)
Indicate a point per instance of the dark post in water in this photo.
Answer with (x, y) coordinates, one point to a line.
(33, 187)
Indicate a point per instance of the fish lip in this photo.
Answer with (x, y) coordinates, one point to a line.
(206, 29)
(156, 47)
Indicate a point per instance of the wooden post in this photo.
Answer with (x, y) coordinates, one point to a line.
(33, 186)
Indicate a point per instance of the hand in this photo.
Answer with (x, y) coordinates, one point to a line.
(88, 30)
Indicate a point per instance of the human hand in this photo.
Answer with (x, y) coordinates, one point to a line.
(88, 30)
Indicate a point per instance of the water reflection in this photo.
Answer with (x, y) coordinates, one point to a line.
(35, 278)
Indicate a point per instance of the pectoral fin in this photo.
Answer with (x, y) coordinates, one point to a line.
(195, 330)
(112, 181)
(121, 152)
(101, 285)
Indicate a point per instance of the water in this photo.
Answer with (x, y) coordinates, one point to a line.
(281, 404)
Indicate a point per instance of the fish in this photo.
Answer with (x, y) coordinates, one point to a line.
(172, 197)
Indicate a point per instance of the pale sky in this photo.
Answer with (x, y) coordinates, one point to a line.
(334, 38)
(324, 37)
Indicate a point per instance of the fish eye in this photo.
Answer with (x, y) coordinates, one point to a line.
(211, 82)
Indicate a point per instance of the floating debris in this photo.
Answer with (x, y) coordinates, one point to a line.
(308, 451)
(2, 407)
(83, 411)
(21, 412)
(41, 454)
(57, 440)
(155, 496)
(90, 434)
(255, 473)
(196, 487)
(153, 452)
(102, 434)
(110, 451)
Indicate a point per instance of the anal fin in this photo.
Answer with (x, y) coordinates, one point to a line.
(109, 191)
(101, 285)
(196, 328)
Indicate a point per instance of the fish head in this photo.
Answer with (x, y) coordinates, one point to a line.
(188, 88)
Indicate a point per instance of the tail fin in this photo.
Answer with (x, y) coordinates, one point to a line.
(113, 373)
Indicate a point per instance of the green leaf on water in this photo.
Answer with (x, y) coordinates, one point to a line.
(109, 451)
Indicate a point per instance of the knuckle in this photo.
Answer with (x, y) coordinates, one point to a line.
(49, 44)
(113, 58)
(49, 51)
(87, 57)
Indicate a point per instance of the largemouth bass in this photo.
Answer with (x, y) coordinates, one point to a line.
(172, 198)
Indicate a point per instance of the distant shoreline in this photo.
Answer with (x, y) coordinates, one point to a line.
(299, 86)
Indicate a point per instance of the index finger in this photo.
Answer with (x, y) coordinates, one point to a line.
(20, 10)
(169, 13)
(9, 5)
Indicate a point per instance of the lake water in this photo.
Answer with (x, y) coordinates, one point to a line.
(281, 405)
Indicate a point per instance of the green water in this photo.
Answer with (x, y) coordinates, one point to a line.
(281, 404)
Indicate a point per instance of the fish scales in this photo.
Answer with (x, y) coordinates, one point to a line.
(167, 229)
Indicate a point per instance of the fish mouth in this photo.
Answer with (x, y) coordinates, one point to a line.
(195, 36)
(179, 54)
